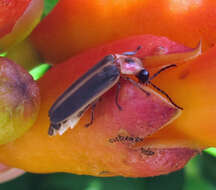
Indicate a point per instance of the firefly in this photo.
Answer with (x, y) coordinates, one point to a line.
(84, 93)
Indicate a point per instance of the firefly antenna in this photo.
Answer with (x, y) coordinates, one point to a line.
(164, 93)
(157, 88)
(161, 70)
(143, 77)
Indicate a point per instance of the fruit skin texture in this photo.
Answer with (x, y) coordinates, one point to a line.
(74, 26)
(18, 18)
(19, 101)
(91, 151)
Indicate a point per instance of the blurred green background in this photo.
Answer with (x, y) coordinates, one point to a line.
(199, 174)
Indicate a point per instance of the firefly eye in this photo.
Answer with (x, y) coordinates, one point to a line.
(143, 76)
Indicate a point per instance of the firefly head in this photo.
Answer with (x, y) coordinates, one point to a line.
(143, 76)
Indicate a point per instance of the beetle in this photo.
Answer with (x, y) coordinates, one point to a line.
(87, 90)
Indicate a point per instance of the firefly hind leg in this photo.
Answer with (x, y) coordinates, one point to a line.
(92, 108)
(117, 96)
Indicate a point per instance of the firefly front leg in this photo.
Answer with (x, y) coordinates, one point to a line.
(135, 84)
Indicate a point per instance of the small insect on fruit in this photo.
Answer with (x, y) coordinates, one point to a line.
(86, 91)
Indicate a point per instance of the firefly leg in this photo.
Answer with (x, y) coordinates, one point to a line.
(129, 53)
(50, 131)
(136, 84)
(92, 115)
(117, 96)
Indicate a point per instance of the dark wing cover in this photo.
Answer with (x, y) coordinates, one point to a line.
(102, 77)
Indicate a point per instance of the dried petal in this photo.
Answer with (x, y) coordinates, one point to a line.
(172, 58)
